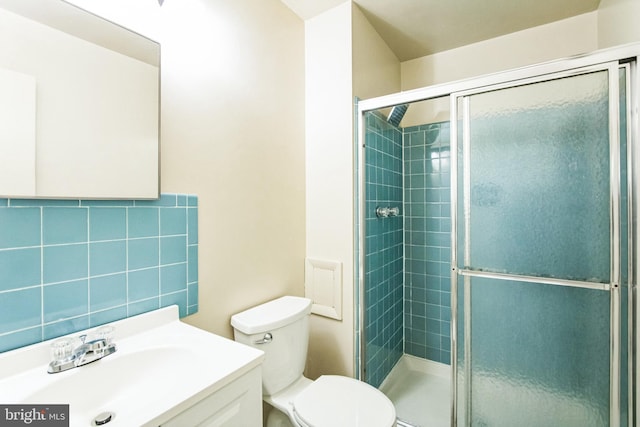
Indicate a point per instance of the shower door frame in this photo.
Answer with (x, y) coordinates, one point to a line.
(627, 53)
(460, 108)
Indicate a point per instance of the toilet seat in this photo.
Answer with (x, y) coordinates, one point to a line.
(337, 401)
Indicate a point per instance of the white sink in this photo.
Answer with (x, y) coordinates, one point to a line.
(161, 368)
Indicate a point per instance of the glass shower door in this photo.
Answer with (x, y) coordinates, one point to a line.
(538, 252)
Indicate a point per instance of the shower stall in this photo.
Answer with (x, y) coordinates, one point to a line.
(497, 246)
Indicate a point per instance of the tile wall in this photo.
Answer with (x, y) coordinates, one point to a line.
(383, 250)
(427, 201)
(67, 265)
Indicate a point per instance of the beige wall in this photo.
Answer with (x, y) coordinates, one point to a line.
(556, 40)
(376, 69)
(345, 57)
(329, 189)
(618, 22)
(614, 23)
(559, 39)
(232, 133)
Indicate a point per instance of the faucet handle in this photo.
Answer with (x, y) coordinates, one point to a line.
(61, 349)
(382, 212)
(106, 333)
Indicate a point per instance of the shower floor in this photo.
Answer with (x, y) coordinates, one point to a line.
(421, 392)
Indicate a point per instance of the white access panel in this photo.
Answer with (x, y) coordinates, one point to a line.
(323, 286)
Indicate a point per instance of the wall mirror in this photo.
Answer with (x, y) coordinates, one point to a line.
(80, 103)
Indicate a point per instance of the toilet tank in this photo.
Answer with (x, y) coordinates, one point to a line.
(286, 319)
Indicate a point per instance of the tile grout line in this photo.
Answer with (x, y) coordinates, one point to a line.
(41, 274)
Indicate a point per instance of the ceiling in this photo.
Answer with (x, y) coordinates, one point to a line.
(415, 28)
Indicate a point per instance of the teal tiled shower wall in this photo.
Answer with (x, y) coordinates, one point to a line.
(67, 265)
(408, 258)
(427, 320)
(383, 250)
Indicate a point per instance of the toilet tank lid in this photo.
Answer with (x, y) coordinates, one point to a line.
(271, 315)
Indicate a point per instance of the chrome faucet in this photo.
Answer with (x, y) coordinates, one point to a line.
(66, 357)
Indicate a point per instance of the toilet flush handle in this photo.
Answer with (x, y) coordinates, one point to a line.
(266, 339)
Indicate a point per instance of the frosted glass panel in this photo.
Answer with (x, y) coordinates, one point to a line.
(539, 174)
(534, 199)
(461, 359)
(539, 355)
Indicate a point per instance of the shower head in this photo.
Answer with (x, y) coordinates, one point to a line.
(397, 113)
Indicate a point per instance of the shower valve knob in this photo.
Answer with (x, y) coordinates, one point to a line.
(387, 212)
(382, 212)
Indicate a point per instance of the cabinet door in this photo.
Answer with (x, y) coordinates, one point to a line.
(236, 404)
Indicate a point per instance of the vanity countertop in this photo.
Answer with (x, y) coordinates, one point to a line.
(162, 367)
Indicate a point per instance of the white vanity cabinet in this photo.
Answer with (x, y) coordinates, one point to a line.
(164, 373)
(238, 403)
(80, 104)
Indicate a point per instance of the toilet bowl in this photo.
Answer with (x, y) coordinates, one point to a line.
(280, 328)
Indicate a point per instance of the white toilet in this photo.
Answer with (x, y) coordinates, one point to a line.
(280, 328)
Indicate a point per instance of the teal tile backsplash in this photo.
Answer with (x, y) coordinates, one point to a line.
(20, 227)
(67, 265)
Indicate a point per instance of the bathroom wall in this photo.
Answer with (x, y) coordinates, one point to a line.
(345, 57)
(232, 130)
(67, 265)
(376, 69)
(384, 263)
(427, 244)
(407, 263)
(559, 39)
(329, 178)
(612, 24)
(618, 22)
(233, 133)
